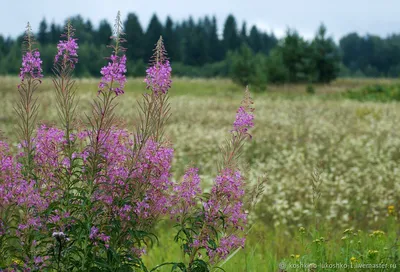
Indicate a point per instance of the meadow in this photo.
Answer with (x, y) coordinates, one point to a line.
(332, 166)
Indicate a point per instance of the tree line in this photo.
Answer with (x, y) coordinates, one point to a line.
(198, 49)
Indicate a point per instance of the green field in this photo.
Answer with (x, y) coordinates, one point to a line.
(350, 149)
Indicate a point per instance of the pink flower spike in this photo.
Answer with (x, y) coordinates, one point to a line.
(31, 65)
(67, 51)
(114, 72)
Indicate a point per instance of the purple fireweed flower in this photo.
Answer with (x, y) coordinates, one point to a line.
(244, 115)
(17, 191)
(138, 252)
(226, 200)
(105, 239)
(226, 195)
(93, 233)
(37, 260)
(244, 120)
(189, 188)
(158, 77)
(31, 65)
(152, 175)
(186, 192)
(114, 72)
(67, 51)
(226, 245)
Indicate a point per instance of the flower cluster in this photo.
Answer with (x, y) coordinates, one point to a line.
(226, 195)
(186, 192)
(244, 115)
(158, 77)
(99, 190)
(48, 145)
(217, 225)
(151, 177)
(226, 245)
(244, 120)
(67, 51)
(113, 73)
(31, 65)
(14, 188)
(224, 211)
(95, 235)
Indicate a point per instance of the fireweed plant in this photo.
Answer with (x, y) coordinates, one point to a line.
(86, 196)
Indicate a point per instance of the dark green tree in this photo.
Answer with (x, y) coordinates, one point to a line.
(134, 38)
(231, 39)
(255, 41)
(83, 30)
(248, 69)
(171, 40)
(2, 45)
(243, 33)
(268, 42)
(153, 33)
(43, 37)
(297, 57)
(103, 33)
(326, 58)
(55, 33)
(216, 49)
(276, 70)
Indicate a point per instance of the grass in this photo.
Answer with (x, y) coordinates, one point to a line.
(353, 146)
(270, 249)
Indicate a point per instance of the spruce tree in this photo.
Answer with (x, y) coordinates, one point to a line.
(231, 38)
(43, 34)
(326, 57)
(134, 38)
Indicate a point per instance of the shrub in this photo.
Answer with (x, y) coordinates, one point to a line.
(88, 198)
(377, 92)
(310, 89)
(247, 69)
(276, 69)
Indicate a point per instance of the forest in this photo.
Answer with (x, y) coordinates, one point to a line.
(199, 49)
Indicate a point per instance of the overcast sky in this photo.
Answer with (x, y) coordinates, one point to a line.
(381, 17)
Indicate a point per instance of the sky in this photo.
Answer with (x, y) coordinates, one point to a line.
(379, 17)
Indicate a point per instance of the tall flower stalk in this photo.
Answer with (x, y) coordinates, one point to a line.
(101, 124)
(213, 224)
(110, 87)
(154, 108)
(155, 105)
(27, 107)
(64, 64)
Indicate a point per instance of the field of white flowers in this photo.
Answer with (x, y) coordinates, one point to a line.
(337, 158)
(354, 147)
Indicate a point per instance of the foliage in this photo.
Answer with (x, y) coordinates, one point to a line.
(248, 69)
(88, 197)
(191, 43)
(377, 92)
(310, 89)
(371, 55)
(276, 249)
(326, 57)
(355, 249)
(296, 54)
(276, 70)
